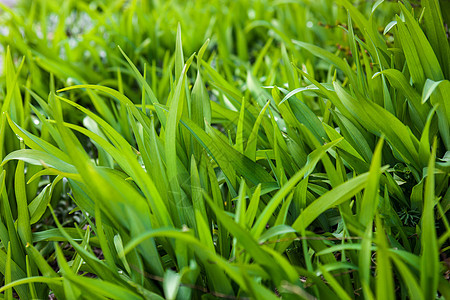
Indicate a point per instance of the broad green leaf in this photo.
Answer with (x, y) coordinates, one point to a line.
(426, 54)
(398, 80)
(378, 120)
(37, 157)
(434, 28)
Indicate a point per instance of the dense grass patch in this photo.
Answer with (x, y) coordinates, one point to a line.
(225, 149)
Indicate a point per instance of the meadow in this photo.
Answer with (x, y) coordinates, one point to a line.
(249, 149)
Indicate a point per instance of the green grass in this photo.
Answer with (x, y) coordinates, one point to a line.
(225, 149)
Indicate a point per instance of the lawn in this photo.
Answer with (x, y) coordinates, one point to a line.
(249, 149)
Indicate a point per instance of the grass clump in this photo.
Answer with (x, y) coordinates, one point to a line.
(235, 149)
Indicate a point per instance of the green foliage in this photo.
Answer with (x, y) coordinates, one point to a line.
(224, 149)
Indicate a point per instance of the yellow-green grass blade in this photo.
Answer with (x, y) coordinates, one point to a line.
(272, 205)
(384, 278)
(371, 196)
(429, 251)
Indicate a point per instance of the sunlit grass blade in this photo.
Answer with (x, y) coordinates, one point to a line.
(430, 252)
